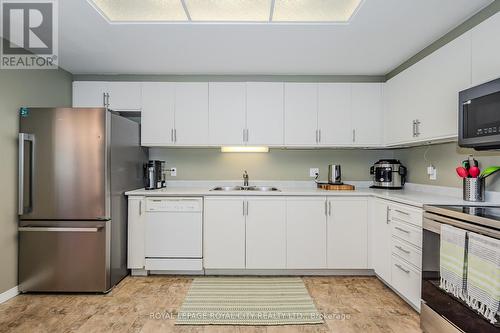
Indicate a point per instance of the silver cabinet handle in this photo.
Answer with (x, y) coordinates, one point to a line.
(402, 249)
(387, 216)
(329, 208)
(353, 135)
(319, 135)
(326, 207)
(104, 99)
(243, 208)
(140, 207)
(56, 229)
(417, 128)
(172, 135)
(244, 135)
(413, 128)
(175, 134)
(401, 268)
(402, 230)
(247, 208)
(23, 137)
(402, 212)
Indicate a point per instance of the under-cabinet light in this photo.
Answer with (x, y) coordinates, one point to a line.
(244, 149)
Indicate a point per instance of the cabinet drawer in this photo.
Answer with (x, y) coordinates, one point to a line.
(407, 232)
(406, 281)
(407, 252)
(406, 214)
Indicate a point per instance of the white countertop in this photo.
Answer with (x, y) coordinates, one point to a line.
(415, 195)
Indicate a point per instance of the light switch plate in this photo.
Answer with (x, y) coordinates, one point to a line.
(173, 172)
(432, 172)
(313, 172)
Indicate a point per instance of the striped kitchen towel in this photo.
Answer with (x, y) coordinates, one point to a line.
(483, 276)
(452, 260)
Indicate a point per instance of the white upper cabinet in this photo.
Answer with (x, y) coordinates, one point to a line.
(191, 114)
(264, 113)
(301, 114)
(367, 114)
(227, 109)
(334, 114)
(306, 233)
(422, 102)
(486, 50)
(124, 96)
(89, 94)
(158, 115)
(347, 233)
(266, 233)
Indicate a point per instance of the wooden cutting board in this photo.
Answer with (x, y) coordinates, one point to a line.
(331, 187)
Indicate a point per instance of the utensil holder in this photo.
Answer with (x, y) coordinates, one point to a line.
(474, 189)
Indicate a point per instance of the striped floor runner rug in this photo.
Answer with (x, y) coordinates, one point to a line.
(248, 301)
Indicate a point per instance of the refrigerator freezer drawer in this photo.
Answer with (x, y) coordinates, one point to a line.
(64, 258)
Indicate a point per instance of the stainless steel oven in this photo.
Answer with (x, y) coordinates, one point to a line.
(479, 116)
(441, 312)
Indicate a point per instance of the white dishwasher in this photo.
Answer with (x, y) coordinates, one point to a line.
(173, 234)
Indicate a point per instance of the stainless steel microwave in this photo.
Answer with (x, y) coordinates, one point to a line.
(479, 116)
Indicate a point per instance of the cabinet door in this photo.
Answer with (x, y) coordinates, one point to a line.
(441, 76)
(306, 233)
(266, 233)
(265, 113)
(301, 114)
(157, 116)
(89, 94)
(334, 114)
(136, 232)
(486, 51)
(224, 233)
(227, 113)
(367, 114)
(125, 96)
(191, 113)
(347, 233)
(381, 240)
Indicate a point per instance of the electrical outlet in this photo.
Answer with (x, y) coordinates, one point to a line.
(173, 172)
(313, 172)
(432, 172)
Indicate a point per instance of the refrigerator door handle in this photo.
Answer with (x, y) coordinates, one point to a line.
(23, 137)
(57, 229)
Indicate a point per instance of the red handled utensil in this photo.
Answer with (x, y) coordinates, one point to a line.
(462, 172)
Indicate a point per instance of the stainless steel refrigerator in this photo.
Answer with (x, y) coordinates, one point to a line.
(74, 166)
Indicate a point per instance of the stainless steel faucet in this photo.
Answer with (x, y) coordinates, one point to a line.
(245, 178)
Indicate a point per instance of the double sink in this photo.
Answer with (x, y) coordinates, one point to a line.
(246, 188)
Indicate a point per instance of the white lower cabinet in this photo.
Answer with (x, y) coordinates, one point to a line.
(306, 232)
(396, 247)
(381, 240)
(406, 280)
(136, 233)
(224, 233)
(347, 233)
(266, 233)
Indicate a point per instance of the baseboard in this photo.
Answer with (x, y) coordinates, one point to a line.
(12, 292)
(292, 272)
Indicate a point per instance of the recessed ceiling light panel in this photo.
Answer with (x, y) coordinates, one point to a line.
(314, 10)
(229, 10)
(141, 11)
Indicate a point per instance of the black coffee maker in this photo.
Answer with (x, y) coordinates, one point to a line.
(154, 175)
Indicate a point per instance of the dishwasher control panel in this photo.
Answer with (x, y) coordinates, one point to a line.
(174, 204)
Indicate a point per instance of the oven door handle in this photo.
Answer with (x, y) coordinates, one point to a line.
(432, 222)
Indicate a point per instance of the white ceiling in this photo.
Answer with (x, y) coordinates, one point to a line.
(382, 35)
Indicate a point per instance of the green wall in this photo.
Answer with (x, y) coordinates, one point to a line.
(278, 164)
(20, 88)
(445, 157)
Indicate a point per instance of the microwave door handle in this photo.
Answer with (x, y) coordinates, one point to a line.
(24, 137)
